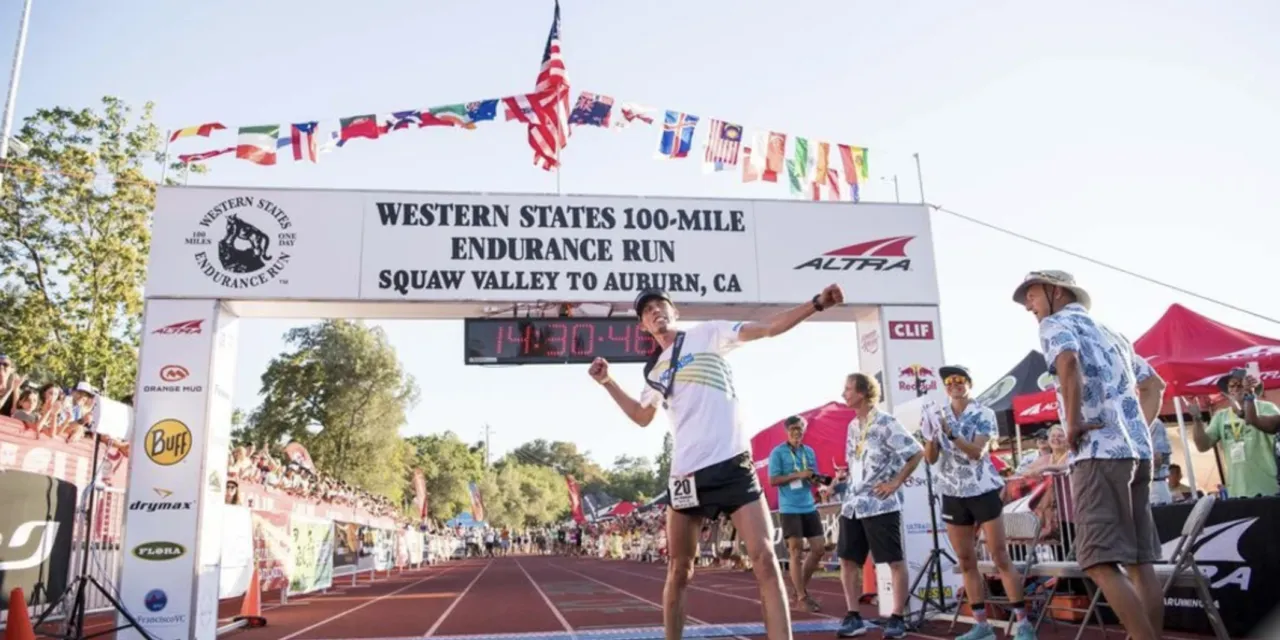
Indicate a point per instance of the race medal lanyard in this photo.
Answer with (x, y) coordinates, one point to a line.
(1235, 426)
(683, 490)
(798, 465)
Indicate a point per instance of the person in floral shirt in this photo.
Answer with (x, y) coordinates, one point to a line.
(1098, 403)
(970, 486)
(882, 455)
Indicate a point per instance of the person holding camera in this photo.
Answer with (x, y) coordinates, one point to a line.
(712, 473)
(793, 469)
(970, 488)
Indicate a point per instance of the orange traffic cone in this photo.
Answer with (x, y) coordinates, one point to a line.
(869, 586)
(251, 606)
(19, 625)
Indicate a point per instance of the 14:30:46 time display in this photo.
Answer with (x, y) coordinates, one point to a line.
(555, 340)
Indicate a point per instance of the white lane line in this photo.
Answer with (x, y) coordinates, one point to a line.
(361, 606)
(564, 623)
(644, 600)
(719, 593)
(430, 632)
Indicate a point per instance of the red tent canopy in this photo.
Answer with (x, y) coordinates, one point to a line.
(827, 434)
(621, 509)
(1189, 351)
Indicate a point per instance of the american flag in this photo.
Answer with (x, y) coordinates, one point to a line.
(723, 142)
(549, 126)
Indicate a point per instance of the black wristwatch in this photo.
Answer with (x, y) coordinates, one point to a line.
(817, 306)
(952, 436)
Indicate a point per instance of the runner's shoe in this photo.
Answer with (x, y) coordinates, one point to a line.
(980, 631)
(895, 628)
(851, 627)
(813, 605)
(1025, 631)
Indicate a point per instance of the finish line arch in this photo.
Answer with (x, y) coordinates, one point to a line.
(222, 253)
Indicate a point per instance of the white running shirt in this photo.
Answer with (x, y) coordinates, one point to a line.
(703, 409)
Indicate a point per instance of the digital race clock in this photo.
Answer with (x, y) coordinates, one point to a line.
(555, 340)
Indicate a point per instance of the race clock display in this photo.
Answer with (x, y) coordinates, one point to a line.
(555, 340)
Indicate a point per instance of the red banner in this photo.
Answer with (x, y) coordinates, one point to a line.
(477, 503)
(298, 454)
(575, 500)
(420, 493)
(402, 548)
(271, 549)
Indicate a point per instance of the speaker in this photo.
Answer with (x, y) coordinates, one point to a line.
(37, 520)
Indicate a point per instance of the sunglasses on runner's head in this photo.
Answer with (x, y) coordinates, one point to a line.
(950, 380)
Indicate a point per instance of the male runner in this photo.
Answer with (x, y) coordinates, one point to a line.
(792, 466)
(1106, 396)
(970, 488)
(711, 468)
(882, 455)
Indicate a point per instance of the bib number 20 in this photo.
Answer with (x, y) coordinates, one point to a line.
(684, 493)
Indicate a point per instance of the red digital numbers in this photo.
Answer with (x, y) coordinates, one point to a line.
(554, 338)
(644, 343)
(624, 338)
(519, 335)
(583, 339)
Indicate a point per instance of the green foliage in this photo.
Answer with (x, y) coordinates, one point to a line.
(448, 464)
(517, 494)
(74, 235)
(632, 478)
(345, 377)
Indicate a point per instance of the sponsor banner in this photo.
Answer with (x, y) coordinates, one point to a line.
(1238, 555)
(262, 244)
(912, 361)
(367, 548)
(870, 347)
(416, 546)
(402, 547)
(273, 549)
(37, 518)
(917, 524)
(259, 498)
(383, 549)
(347, 544)
(169, 454)
(312, 566)
(237, 552)
(72, 462)
(1036, 408)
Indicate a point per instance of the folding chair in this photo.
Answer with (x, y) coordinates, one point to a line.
(1183, 570)
(1022, 539)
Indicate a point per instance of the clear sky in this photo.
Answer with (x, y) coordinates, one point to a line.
(1143, 133)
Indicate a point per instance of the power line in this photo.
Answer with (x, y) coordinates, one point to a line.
(1106, 265)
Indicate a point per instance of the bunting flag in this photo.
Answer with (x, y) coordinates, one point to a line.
(477, 503)
(398, 120)
(723, 142)
(632, 112)
(854, 161)
(773, 160)
(303, 139)
(549, 133)
(420, 494)
(464, 115)
(358, 127)
(753, 157)
(575, 500)
(519, 108)
(677, 134)
(798, 166)
(828, 186)
(258, 144)
(201, 157)
(200, 130)
(592, 110)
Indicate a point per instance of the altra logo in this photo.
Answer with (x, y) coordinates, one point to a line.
(19, 539)
(1040, 407)
(1212, 381)
(173, 373)
(1219, 544)
(885, 254)
(184, 328)
(1251, 353)
(911, 330)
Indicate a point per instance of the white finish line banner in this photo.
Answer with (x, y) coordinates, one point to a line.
(275, 244)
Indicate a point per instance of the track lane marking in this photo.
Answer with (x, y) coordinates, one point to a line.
(559, 616)
(372, 601)
(430, 632)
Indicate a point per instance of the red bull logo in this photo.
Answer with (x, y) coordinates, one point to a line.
(917, 378)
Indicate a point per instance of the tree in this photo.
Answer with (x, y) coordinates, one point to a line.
(564, 457)
(448, 465)
(345, 377)
(632, 478)
(517, 494)
(74, 235)
(664, 461)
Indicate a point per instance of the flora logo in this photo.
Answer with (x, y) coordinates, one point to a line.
(884, 254)
(158, 551)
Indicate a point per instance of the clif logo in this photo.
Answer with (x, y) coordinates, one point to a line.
(184, 328)
(911, 330)
(885, 254)
(173, 373)
(917, 378)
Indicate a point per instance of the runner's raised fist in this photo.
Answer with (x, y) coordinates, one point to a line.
(599, 370)
(831, 296)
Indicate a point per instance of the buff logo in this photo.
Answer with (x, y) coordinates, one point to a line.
(168, 442)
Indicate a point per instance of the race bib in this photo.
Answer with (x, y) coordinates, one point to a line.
(797, 484)
(684, 492)
(1237, 452)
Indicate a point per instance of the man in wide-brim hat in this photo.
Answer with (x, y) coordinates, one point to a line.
(1246, 429)
(1107, 400)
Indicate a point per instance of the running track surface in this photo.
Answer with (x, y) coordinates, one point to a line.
(546, 598)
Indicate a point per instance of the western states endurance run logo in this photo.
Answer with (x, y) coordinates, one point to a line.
(243, 242)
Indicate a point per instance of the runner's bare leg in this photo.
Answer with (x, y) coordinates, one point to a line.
(682, 546)
(756, 528)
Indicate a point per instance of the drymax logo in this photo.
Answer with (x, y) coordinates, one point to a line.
(885, 254)
(164, 504)
(184, 328)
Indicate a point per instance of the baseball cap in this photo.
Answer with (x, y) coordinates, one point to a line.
(648, 294)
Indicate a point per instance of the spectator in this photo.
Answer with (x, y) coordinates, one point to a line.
(233, 492)
(1179, 491)
(10, 383)
(1054, 460)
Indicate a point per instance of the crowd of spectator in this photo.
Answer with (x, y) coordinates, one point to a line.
(48, 410)
(276, 472)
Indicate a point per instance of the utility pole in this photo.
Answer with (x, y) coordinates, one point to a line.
(11, 100)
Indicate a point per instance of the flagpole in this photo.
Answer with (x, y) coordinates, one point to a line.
(919, 177)
(12, 100)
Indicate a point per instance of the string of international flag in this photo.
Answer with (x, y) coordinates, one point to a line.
(810, 172)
